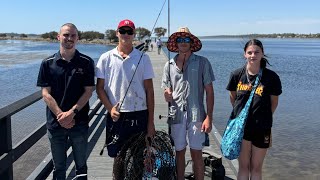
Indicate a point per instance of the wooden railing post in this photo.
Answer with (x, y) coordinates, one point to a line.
(6, 147)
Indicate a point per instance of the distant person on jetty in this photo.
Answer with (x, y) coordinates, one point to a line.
(151, 45)
(159, 45)
(185, 79)
(67, 82)
(146, 45)
(125, 87)
(257, 132)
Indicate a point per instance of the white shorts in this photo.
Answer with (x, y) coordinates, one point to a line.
(180, 131)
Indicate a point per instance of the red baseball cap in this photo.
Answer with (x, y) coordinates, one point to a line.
(126, 23)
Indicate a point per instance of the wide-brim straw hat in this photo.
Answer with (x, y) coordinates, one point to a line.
(172, 46)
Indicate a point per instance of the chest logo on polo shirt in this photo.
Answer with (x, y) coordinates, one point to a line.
(79, 71)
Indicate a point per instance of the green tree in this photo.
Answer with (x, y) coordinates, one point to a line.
(23, 35)
(111, 35)
(79, 34)
(50, 35)
(90, 35)
(142, 32)
(160, 31)
(3, 35)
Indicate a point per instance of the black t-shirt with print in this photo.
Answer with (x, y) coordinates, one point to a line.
(260, 114)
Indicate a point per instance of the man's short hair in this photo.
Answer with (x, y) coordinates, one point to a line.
(69, 25)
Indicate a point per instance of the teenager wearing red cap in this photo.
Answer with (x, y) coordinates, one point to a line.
(130, 107)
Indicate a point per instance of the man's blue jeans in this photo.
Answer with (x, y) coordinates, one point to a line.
(78, 136)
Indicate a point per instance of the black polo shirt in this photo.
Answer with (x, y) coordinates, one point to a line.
(67, 81)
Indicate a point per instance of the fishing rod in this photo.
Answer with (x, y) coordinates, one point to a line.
(116, 136)
(159, 15)
(171, 109)
(168, 25)
(125, 95)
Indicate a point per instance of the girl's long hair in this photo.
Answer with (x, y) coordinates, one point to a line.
(264, 60)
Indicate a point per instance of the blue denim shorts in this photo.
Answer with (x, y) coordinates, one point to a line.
(129, 123)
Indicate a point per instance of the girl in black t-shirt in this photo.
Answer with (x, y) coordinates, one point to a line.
(257, 133)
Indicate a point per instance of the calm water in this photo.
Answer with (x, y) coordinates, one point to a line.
(296, 151)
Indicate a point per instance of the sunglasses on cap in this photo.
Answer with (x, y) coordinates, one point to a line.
(128, 31)
(183, 40)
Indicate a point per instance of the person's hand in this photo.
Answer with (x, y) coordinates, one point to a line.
(168, 95)
(151, 132)
(71, 124)
(115, 115)
(207, 125)
(65, 119)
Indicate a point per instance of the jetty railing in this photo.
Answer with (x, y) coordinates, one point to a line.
(9, 154)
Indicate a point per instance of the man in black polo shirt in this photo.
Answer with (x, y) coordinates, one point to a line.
(67, 82)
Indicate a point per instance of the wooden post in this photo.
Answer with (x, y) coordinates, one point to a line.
(6, 147)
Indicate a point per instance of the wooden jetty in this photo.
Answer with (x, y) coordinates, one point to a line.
(99, 167)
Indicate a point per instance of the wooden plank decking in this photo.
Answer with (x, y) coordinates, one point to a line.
(100, 167)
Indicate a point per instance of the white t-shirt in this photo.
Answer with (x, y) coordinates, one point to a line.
(117, 73)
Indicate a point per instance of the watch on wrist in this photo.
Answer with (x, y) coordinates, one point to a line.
(75, 111)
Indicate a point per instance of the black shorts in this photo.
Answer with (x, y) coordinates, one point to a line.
(260, 138)
(129, 123)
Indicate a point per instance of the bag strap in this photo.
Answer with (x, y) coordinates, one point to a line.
(253, 89)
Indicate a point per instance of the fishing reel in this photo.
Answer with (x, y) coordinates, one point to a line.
(171, 113)
(114, 139)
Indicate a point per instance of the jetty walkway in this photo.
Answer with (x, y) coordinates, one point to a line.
(100, 167)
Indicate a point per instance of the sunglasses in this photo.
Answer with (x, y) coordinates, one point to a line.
(183, 40)
(128, 31)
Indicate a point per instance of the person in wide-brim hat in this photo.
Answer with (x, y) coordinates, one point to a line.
(183, 32)
(186, 79)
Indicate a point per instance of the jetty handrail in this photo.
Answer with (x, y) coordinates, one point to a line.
(9, 154)
(19, 105)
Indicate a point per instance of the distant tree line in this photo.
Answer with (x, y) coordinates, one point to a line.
(283, 35)
(110, 34)
(4, 35)
(87, 35)
(143, 33)
(274, 35)
(50, 35)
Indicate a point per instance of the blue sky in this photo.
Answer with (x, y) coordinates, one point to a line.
(203, 17)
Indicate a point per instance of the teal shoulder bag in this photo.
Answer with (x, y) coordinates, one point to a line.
(233, 134)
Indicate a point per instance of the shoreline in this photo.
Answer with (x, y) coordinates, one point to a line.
(136, 42)
(81, 41)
